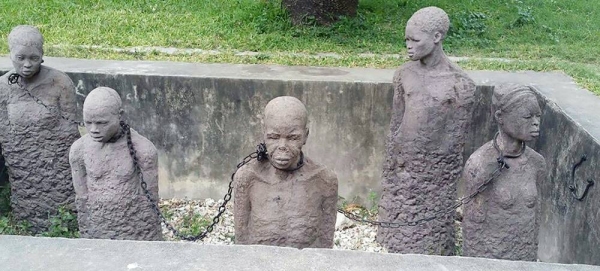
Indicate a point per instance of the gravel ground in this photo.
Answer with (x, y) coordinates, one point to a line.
(348, 235)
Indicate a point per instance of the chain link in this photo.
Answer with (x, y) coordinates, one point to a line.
(464, 200)
(259, 154)
(14, 79)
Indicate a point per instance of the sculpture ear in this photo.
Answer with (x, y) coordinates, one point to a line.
(498, 117)
(121, 111)
(306, 136)
(437, 37)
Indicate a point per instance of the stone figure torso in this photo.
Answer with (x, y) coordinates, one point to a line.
(431, 112)
(434, 109)
(502, 222)
(116, 206)
(296, 209)
(35, 144)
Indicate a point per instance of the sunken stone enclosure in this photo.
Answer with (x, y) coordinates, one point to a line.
(204, 118)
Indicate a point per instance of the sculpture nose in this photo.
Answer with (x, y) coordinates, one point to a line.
(93, 129)
(536, 121)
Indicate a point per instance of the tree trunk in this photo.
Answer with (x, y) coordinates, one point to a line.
(321, 11)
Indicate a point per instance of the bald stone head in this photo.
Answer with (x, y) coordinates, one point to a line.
(26, 45)
(425, 31)
(285, 131)
(102, 113)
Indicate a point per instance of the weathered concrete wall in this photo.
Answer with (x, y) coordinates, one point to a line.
(203, 125)
(19, 253)
(205, 117)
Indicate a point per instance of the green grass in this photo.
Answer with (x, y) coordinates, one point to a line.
(539, 34)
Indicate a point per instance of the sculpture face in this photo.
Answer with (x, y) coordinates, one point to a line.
(101, 123)
(285, 131)
(522, 122)
(420, 44)
(26, 59)
(284, 139)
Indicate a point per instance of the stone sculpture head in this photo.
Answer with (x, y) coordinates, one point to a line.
(102, 114)
(425, 31)
(285, 131)
(517, 112)
(26, 50)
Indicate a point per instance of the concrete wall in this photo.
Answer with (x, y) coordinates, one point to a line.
(205, 117)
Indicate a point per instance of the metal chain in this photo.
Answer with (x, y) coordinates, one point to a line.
(14, 79)
(464, 200)
(259, 154)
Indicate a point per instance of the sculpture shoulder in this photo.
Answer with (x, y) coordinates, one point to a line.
(4, 77)
(320, 173)
(484, 154)
(4, 87)
(58, 76)
(77, 148)
(245, 175)
(537, 158)
(404, 69)
(144, 147)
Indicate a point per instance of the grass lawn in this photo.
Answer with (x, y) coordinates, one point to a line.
(539, 35)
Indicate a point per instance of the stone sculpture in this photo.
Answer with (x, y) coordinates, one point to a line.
(502, 221)
(287, 200)
(432, 108)
(110, 201)
(37, 127)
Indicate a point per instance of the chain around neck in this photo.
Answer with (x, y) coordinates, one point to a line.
(502, 155)
(298, 166)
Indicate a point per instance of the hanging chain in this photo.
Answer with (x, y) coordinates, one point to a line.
(464, 200)
(259, 154)
(14, 79)
(384, 224)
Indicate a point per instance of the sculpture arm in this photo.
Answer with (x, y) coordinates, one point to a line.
(398, 105)
(472, 178)
(465, 89)
(79, 175)
(329, 206)
(541, 177)
(148, 162)
(241, 206)
(67, 100)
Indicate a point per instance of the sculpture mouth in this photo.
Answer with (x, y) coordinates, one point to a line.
(281, 160)
(96, 138)
(535, 133)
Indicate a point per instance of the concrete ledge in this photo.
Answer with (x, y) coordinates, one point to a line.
(33, 253)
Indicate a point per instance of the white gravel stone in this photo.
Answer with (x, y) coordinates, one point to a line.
(349, 235)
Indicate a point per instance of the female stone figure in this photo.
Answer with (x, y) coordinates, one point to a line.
(502, 221)
(37, 109)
